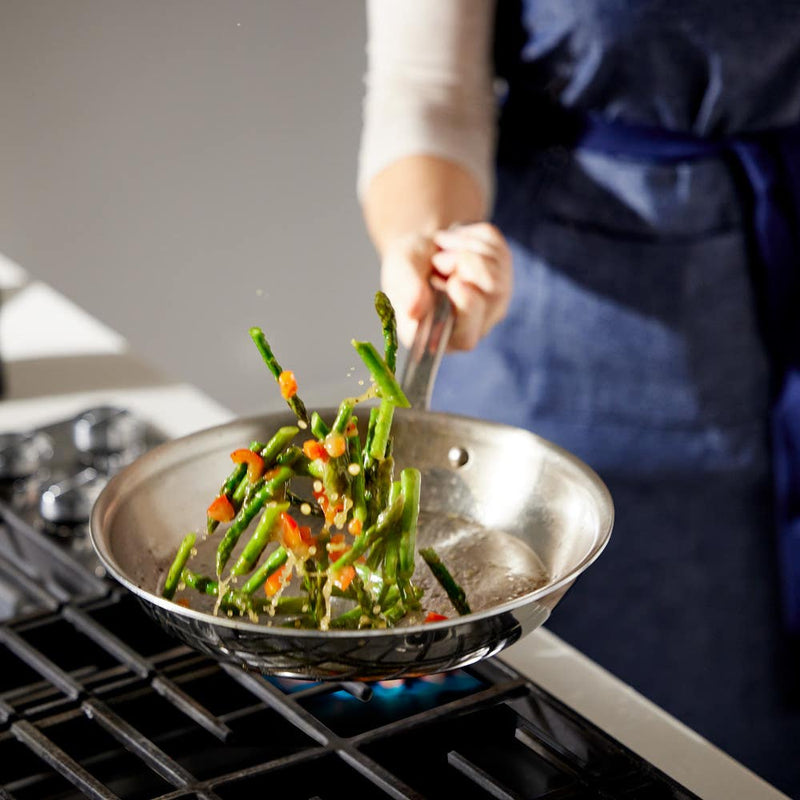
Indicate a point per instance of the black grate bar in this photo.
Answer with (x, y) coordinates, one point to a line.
(54, 552)
(288, 708)
(41, 664)
(144, 669)
(189, 706)
(137, 743)
(283, 704)
(30, 585)
(110, 643)
(486, 698)
(480, 777)
(390, 784)
(541, 744)
(6, 711)
(55, 757)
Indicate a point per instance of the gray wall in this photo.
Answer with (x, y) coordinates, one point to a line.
(185, 169)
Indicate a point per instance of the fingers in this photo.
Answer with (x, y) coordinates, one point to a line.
(473, 262)
(477, 262)
(405, 277)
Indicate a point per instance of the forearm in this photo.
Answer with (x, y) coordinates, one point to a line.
(420, 194)
(427, 142)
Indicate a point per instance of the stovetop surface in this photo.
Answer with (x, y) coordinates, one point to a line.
(98, 701)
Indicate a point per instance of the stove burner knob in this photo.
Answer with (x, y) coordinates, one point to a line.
(107, 429)
(70, 501)
(21, 454)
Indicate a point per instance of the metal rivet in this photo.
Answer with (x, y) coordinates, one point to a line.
(457, 456)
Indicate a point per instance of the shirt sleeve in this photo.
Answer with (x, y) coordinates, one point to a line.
(429, 86)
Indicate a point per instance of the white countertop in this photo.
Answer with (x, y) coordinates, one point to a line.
(58, 360)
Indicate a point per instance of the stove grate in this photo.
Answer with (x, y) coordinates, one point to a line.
(96, 700)
(85, 714)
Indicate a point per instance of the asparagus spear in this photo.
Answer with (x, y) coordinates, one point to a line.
(232, 482)
(319, 427)
(410, 482)
(238, 601)
(456, 594)
(389, 325)
(379, 443)
(358, 482)
(386, 521)
(246, 514)
(259, 540)
(295, 403)
(181, 557)
(275, 561)
(388, 387)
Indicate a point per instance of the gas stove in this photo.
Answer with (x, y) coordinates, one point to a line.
(97, 701)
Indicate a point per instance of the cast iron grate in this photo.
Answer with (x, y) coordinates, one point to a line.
(98, 701)
(85, 714)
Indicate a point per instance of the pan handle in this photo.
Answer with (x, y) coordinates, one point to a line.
(427, 349)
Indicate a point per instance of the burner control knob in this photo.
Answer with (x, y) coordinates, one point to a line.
(70, 501)
(21, 454)
(107, 429)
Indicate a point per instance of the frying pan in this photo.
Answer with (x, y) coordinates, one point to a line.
(515, 517)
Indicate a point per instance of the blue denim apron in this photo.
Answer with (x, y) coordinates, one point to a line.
(653, 332)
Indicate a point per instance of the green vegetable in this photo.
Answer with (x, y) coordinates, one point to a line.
(389, 326)
(181, 557)
(295, 403)
(456, 594)
(266, 490)
(387, 385)
(352, 492)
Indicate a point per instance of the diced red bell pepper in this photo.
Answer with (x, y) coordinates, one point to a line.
(221, 509)
(294, 537)
(314, 450)
(343, 577)
(255, 463)
(434, 617)
(337, 546)
(288, 384)
(275, 581)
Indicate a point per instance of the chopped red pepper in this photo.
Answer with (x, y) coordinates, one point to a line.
(337, 546)
(221, 509)
(314, 450)
(270, 474)
(434, 617)
(275, 581)
(355, 526)
(255, 464)
(288, 384)
(295, 537)
(343, 578)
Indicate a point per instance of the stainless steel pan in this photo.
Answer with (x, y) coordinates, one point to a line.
(515, 517)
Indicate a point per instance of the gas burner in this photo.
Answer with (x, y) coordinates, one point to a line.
(21, 454)
(108, 437)
(69, 501)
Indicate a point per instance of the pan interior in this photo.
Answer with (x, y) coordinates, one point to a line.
(512, 516)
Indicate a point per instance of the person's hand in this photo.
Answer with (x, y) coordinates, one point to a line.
(472, 263)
